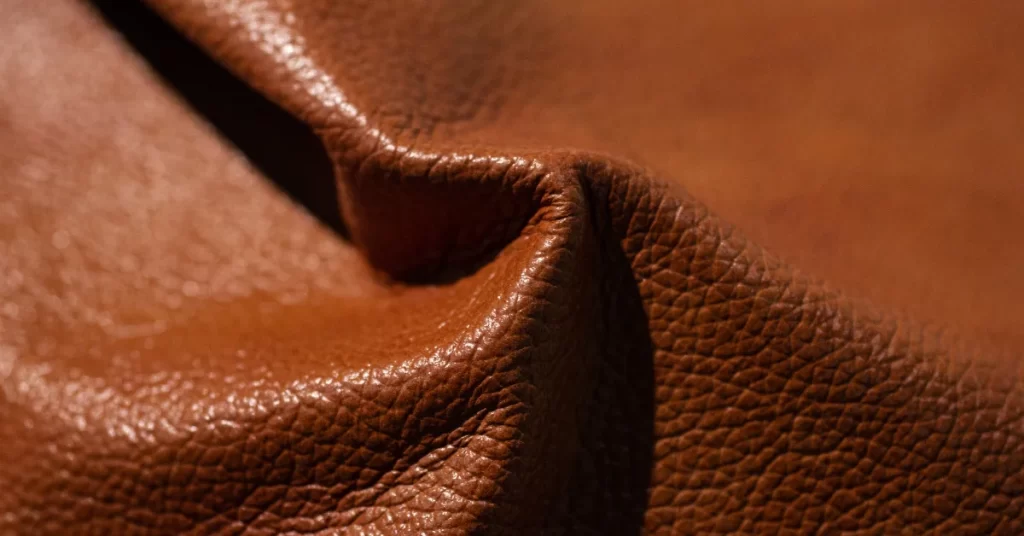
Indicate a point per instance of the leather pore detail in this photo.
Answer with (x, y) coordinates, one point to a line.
(490, 337)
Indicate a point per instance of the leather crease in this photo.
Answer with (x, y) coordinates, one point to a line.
(541, 341)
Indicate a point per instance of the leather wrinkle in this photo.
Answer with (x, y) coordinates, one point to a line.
(553, 341)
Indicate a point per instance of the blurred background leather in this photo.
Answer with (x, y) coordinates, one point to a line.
(394, 267)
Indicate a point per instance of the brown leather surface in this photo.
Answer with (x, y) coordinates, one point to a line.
(514, 319)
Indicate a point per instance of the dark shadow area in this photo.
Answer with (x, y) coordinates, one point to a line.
(609, 492)
(281, 147)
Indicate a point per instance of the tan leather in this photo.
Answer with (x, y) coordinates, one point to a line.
(514, 319)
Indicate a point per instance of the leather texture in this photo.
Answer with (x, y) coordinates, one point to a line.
(408, 267)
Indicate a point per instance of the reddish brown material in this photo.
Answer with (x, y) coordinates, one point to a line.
(507, 316)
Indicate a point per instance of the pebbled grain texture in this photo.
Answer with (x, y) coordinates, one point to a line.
(514, 320)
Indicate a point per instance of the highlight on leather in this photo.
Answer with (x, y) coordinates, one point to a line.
(283, 267)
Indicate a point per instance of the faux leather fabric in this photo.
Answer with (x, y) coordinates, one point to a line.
(404, 267)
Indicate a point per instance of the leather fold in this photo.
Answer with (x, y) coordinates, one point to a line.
(554, 341)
